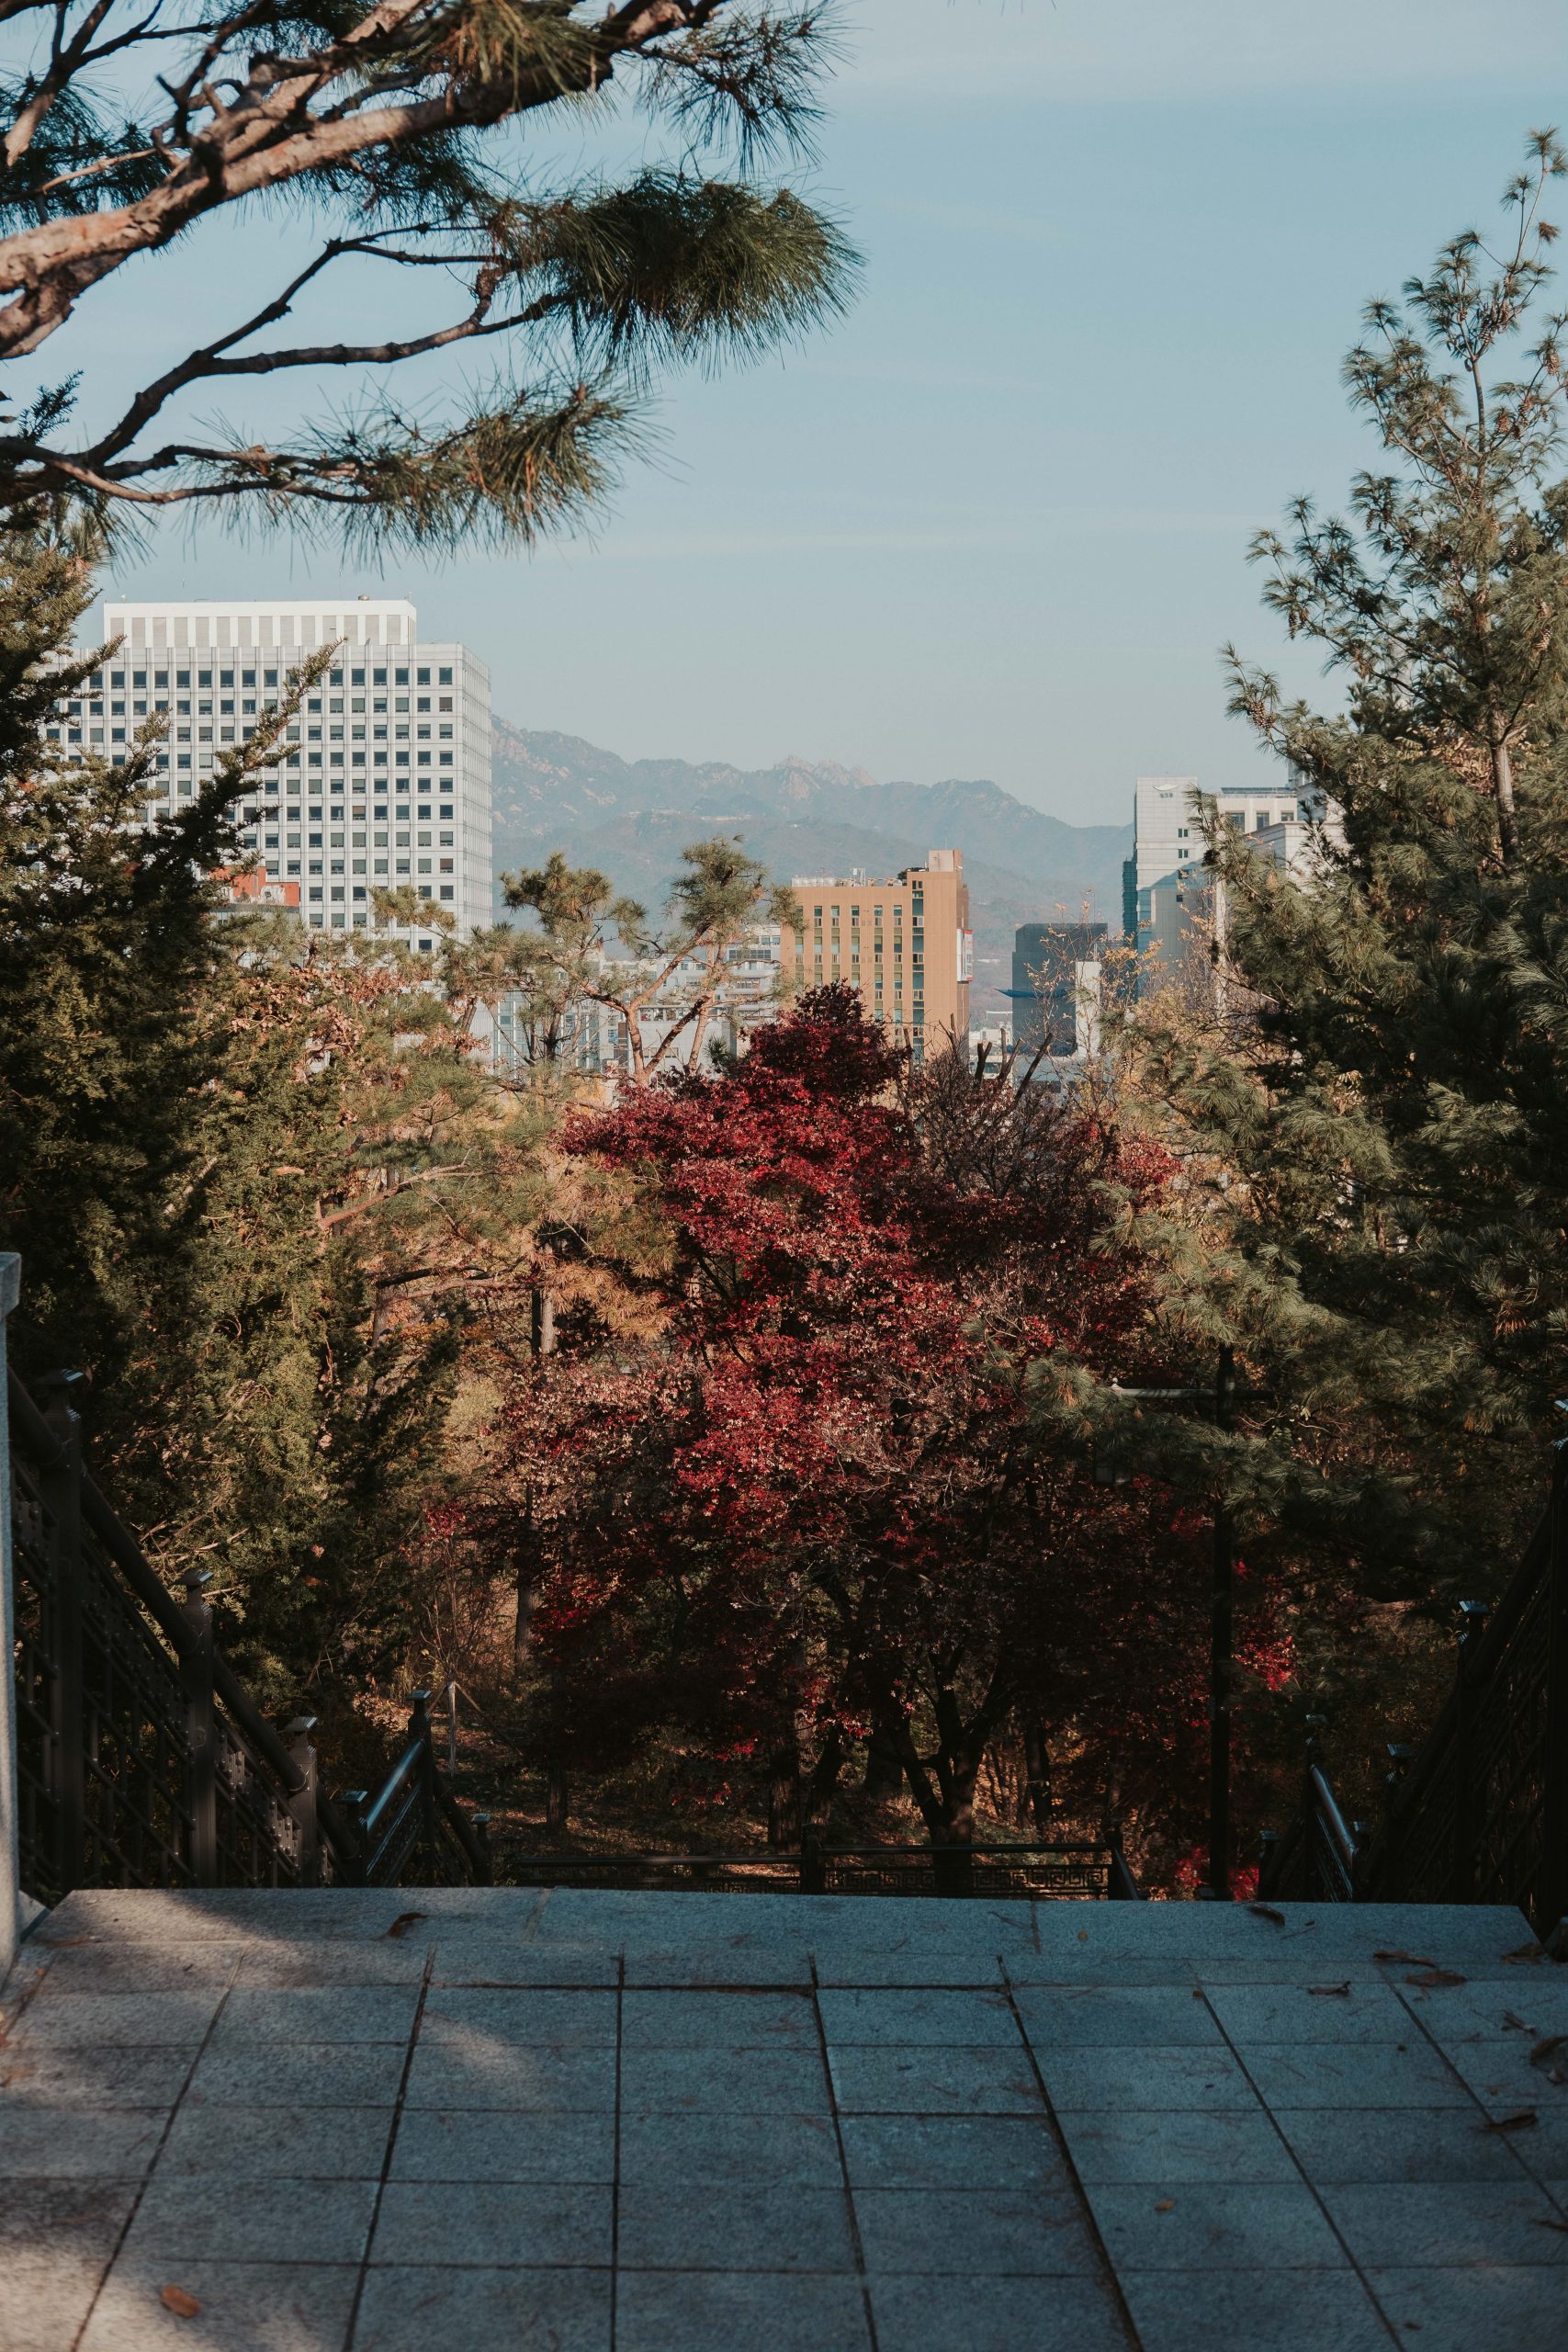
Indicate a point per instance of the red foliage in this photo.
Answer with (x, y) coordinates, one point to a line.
(849, 1491)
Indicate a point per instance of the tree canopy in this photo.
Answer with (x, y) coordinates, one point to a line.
(399, 139)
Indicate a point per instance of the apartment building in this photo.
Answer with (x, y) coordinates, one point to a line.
(1056, 987)
(1166, 903)
(384, 780)
(906, 945)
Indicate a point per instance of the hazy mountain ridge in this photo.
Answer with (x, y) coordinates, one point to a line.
(631, 819)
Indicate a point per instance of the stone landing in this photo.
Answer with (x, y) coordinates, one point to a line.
(576, 2122)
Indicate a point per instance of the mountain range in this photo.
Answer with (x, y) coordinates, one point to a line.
(632, 818)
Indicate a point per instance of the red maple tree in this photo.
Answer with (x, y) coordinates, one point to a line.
(840, 1491)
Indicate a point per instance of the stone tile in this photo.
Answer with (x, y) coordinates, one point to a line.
(45, 2297)
(480, 2073)
(748, 2082)
(1449, 2223)
(920, 2079)
(1300, 2311)
(318, 1966)
(535, 2224)
(1528, 2006)
(1215, 2226)
(141, 1968)
(1172, 2148)
(74, 2220)
(480, 2146)
(974, 2231)
(716, 2150)
(735, 1961)
(245, 2307)
(872, 1965)
(224, 1915)
(891, 2014)
(951, 2152)
(1499, 2308)
(1055, 2315)
(322, 2014)
(117, 2021)
(1398, 2144)
(64, 2143)
(1129, 2017)
(49, 2078)
(481, 1958)
(1503, 2079)
(309, 2142)
(580, 2020)
(317, 2220)
(1295, 2013)
(406, 2310)
(1053, 1970)
(333, 2074)
(1369, 2074)
(681, 2312)
(771, 2228)
(1152, 2079)
(680, 2021)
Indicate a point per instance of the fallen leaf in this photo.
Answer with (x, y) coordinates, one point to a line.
(1527, 1955)
(1166, 2205)
(1405, 1959)
(1519, 2123)
(175, 2300)
(1431, 1976)
(1543, 2221)
(1266, 1911)
(1544, 2051)
(1518, 2024)
(1342, 1990)
(404, 1921)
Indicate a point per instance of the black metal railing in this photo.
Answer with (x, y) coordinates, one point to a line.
(1068, 1871)
(1479, 1812)
(141, 1759)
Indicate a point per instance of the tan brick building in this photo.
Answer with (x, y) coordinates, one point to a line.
(905, 945)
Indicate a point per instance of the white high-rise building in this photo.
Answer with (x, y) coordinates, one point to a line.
(1164, 878)
(384, 778)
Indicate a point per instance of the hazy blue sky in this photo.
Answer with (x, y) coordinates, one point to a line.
(993, 522)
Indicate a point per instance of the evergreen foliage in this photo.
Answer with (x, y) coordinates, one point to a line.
(1375, 1123)
(394, 139)
(257, 1180)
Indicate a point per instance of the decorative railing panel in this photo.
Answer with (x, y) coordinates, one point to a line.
(141, 1760)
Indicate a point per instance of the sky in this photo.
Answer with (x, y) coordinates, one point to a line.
(994, 522)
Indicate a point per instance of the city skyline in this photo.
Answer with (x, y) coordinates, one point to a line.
(993, 523)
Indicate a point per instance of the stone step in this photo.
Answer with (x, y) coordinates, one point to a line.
(368, 2121)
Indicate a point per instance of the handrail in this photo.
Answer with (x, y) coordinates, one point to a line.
(1329, 1814)
(149, 1587)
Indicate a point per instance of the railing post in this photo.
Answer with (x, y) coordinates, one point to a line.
(813, 1868)
(302, 1804)
(201, 1730)
(10, 1826)
(1552, 1883)
(355, 1807)
(419, 1729)
(1222, 1649)
(480, 1824)
(1464, 1861)
(1267, 1860)
(60, 1492)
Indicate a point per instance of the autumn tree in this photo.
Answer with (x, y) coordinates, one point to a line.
(832, 1479)
(397, 140)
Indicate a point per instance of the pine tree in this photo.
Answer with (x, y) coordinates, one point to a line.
(1377, 1125)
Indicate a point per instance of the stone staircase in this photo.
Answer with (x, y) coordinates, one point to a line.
(285, 2120)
